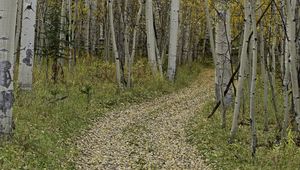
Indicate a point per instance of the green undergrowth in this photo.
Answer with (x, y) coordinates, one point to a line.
(272, 154)
(48, 118)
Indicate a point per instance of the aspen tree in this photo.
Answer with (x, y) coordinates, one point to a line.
(253, 79)
(173, 39)
(291, 22)
(8, 10)
(62, 36)
(242, 75)
(223, 49)
(150, 37)
(134, 39)
(27, 44)
(113, 39)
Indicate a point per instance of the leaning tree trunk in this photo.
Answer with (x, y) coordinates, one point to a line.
(27, 44)
(8, 10)
(291, 22)
(173, 39)
(242, 75)
(150, 37)
(113, 38)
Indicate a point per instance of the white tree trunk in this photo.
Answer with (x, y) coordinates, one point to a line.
(27, 44)
(242, 75)
(8, 10)
(134, 39)
(113, 38)
(223, 49)
(62, 36)
(126, 34)
(253, 78)
(70, 33)
(291, 22)
(173, 39)
(150, 37)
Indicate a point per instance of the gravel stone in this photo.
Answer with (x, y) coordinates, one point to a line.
(150, 135)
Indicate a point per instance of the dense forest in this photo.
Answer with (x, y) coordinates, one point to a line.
(149, 84)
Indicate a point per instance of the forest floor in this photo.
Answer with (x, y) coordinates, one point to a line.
(150, 135)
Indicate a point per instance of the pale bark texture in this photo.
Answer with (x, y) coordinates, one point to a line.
(87, 26)
(62, 35)
(242, 75)
(291, 22)
(223, 50)
(27, 44)
(8, 10)
(113, 38)
(150, 37)
(173, 39)
(253, 79)
(134, 39)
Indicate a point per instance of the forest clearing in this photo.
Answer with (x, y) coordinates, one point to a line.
(150, 84)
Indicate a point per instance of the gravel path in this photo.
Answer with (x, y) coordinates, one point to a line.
(150, 135)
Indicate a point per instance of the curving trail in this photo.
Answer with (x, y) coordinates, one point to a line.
(150, 135)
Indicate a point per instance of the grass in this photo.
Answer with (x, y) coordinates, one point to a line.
(50, 117)
(211, 140)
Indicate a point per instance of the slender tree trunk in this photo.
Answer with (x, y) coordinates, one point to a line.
(173, 39)
(291, 22)
(70, 34)
(18, 29)
(113, 39)
(126, 33)
(286, 80)
(27, 44)
(62, 36)
(253, 79)
(150, 37)
(134, 39)
(87, 26)
(242, 75)
(212, 48)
